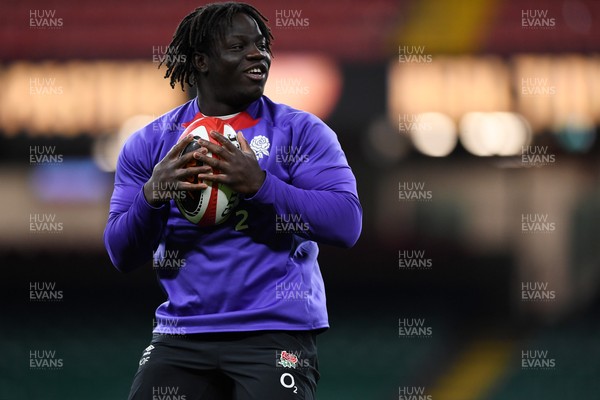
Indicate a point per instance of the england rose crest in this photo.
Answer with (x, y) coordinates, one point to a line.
(260, 145)
(288, 360)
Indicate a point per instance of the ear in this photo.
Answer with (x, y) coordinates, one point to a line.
(201, 62)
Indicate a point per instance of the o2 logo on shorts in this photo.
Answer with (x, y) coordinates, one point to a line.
(287, 381)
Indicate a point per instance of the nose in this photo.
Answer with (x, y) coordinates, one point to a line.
(256, 53)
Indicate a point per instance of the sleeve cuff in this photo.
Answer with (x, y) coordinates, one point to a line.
(143, 202)
(265, 193)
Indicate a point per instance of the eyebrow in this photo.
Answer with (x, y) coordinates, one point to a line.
(258, 37)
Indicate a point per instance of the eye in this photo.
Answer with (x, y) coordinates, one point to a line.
(262, 46)
(236, 46)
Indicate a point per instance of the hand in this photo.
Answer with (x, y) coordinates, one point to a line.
(174, 174)
(237, 168)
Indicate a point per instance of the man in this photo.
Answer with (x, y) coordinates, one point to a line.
(249, 297)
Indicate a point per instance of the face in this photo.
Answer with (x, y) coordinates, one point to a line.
(236, 74)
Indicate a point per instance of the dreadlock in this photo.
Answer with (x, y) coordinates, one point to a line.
(198, 33)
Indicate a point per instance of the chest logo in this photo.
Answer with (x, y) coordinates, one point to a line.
(260, 145)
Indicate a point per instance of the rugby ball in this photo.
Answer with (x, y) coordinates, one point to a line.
(213, 205)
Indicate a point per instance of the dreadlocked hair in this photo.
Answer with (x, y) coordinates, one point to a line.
(198, 33)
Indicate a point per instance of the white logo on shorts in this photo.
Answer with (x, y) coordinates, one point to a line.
(146, 355)
(287, 381)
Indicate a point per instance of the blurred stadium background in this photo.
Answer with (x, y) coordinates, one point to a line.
(471, 126)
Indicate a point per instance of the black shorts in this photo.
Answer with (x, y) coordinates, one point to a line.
(233, 366)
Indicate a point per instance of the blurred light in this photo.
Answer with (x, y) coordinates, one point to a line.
(516, 132)
(81, 97)
(536, 88)
(491, 134)
(307, 82)
(434, 134)
(577, 135)
(545, 89)
(449, 85)
(107, 147)
(552, 88)
(71, 181)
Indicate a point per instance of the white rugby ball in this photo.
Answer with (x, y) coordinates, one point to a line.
(213, 205)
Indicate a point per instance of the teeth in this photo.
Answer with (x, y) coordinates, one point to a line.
(255, 71)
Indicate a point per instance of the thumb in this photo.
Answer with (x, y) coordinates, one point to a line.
(244, 146)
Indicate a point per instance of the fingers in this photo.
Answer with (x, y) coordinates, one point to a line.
(191, 187)
(190, 158)
(244, 146)
(227, 164)
(191, 172)
(224, 141)
(179, 146)
(223, 149)
(214, 163)
(214, 178)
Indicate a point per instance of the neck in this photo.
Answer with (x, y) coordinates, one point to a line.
(215, 109)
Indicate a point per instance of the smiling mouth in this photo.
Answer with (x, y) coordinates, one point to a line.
(256, 74)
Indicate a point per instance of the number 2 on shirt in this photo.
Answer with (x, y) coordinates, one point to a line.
(241, 225)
